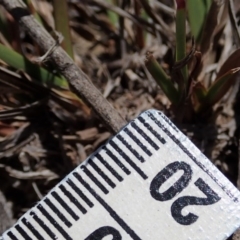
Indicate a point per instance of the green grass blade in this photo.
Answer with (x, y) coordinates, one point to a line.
(112, 16)
(40, 74)
(197, 10)
(62, 24)
(220, 87)
(181, 36)
(162, 79)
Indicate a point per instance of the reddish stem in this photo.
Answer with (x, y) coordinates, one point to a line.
(181, 4)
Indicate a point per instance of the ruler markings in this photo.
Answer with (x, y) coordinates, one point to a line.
(57, 212)
(134, 145)
(109, 167)
(116, 160)
(94, 179)
(127, 159)
(22, 232)
(137, 141)
(119, 147)
(112, 213)
(128, 154)
(185, 150)
(167, 120)
(128, 146)
(32, 229)
(150, 129)
(53, 222)
(12, 236)
(43, 225)
(72, 199)
(79, 192)
(64, 205)
(144, 135)
(101, 173)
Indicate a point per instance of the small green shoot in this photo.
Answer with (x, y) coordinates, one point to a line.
(197, 11)
(181, 36)
(183, 88)
(219, 88)
(40, 74)
(62, 24)
(112, 16)
(162, 78)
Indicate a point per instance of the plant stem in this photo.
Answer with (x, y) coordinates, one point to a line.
(62, 24)
(79, 82)
(181, 37)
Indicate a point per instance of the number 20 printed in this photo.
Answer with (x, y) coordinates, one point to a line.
(181, 202)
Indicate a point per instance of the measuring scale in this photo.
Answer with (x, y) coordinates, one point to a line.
(148, 182)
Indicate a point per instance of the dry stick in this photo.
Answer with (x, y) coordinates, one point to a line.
(79, 82)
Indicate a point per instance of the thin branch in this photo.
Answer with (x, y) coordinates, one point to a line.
(79, 82)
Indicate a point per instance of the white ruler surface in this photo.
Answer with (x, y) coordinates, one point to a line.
(148, 182)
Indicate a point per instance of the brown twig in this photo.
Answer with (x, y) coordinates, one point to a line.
(77, 79)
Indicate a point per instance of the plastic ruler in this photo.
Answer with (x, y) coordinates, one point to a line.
(148, 182)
